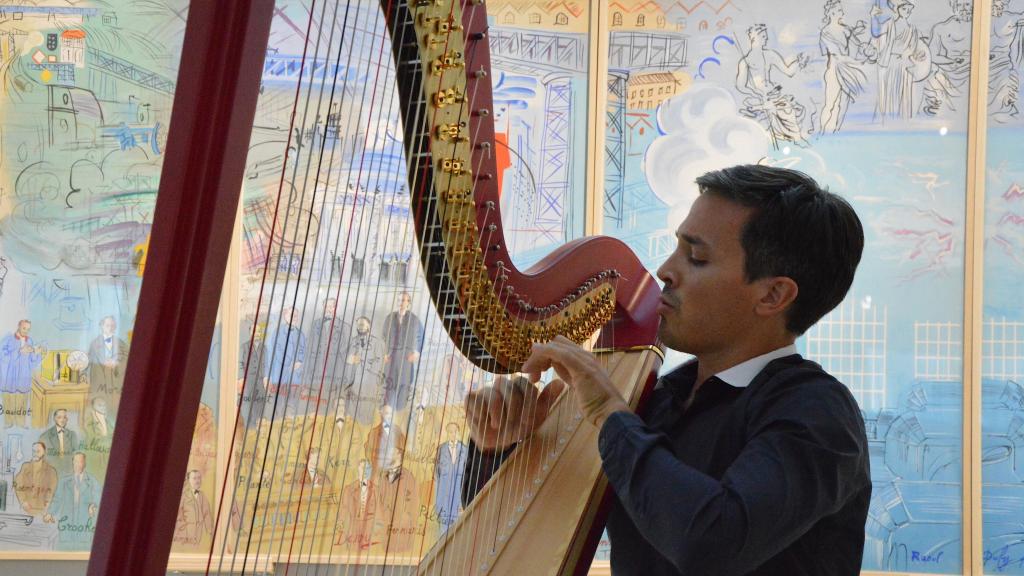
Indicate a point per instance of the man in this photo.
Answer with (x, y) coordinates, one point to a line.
(108, 357)
(765, 98)
(1006, 53)
(327, 347)
(195, 518)
(950, 47)
(286, 350)
(364, 373)
(19, 358)
(386, 441)
(74, 507)
(359, 501)
(98, 429)
(36, 482)
(399, 505)
(448, 472)
(251, 385)
(403, 336)
(61, 442)
(312, 475)
(749, 459)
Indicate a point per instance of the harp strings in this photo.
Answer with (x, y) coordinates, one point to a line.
(268, 456)
(233, 508)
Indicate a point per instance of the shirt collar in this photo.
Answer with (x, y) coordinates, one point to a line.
(742, 374)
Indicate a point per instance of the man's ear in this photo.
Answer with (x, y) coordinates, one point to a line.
(777, 294)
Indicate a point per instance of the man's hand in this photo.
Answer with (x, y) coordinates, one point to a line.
(509, 411)
(597, 396)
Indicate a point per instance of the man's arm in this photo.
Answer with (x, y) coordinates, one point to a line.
(803, 462)
(742, 77)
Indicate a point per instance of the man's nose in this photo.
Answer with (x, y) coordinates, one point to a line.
(666, 275)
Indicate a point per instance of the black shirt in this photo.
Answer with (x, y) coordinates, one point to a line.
(772, 478)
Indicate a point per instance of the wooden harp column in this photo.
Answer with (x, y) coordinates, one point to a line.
(491, 310)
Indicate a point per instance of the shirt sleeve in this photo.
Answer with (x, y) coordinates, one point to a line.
(804, 458)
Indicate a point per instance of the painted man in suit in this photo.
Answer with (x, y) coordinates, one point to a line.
(108, 357)
(98, 429)
(74, 507)
(399, 504)
(359, 503)
(36, 482)
(251, 385)
(312, 475)
(327, 342)
(286, 354)
(195, 516)
(61, 442)
(386, 441)
(19, 358)
(363, 373)
(403, 338)
(448, 472)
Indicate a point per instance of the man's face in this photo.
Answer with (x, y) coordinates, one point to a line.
(758, 37)
(404, 303)
(38, 452)
(99, 406)
(109, 326)
(331, 307)
(362, 326)
(394, 464)
(314, 460)
(964, 9)
(61, 418)
(453, 434)
(23, 328)
(79, 463)
(707, 303)
(195, 480)
(385, 414)
(905, 9)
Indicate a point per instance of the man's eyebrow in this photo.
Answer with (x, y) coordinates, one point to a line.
(692, 240)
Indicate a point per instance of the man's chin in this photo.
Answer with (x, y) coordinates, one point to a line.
(668, 338)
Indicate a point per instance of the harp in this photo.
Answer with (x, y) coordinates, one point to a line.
(540, 512)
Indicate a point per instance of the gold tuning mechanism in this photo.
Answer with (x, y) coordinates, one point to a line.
(458, 196)
(448, 97)
(454, 166)
(452, 132)
(450, 60)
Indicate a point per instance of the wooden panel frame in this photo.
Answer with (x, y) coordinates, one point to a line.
(972, 557)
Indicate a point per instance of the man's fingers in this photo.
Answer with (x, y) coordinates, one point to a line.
(562, 354)
(495, 400)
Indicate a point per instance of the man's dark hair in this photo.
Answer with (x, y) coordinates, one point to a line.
(798, 230)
